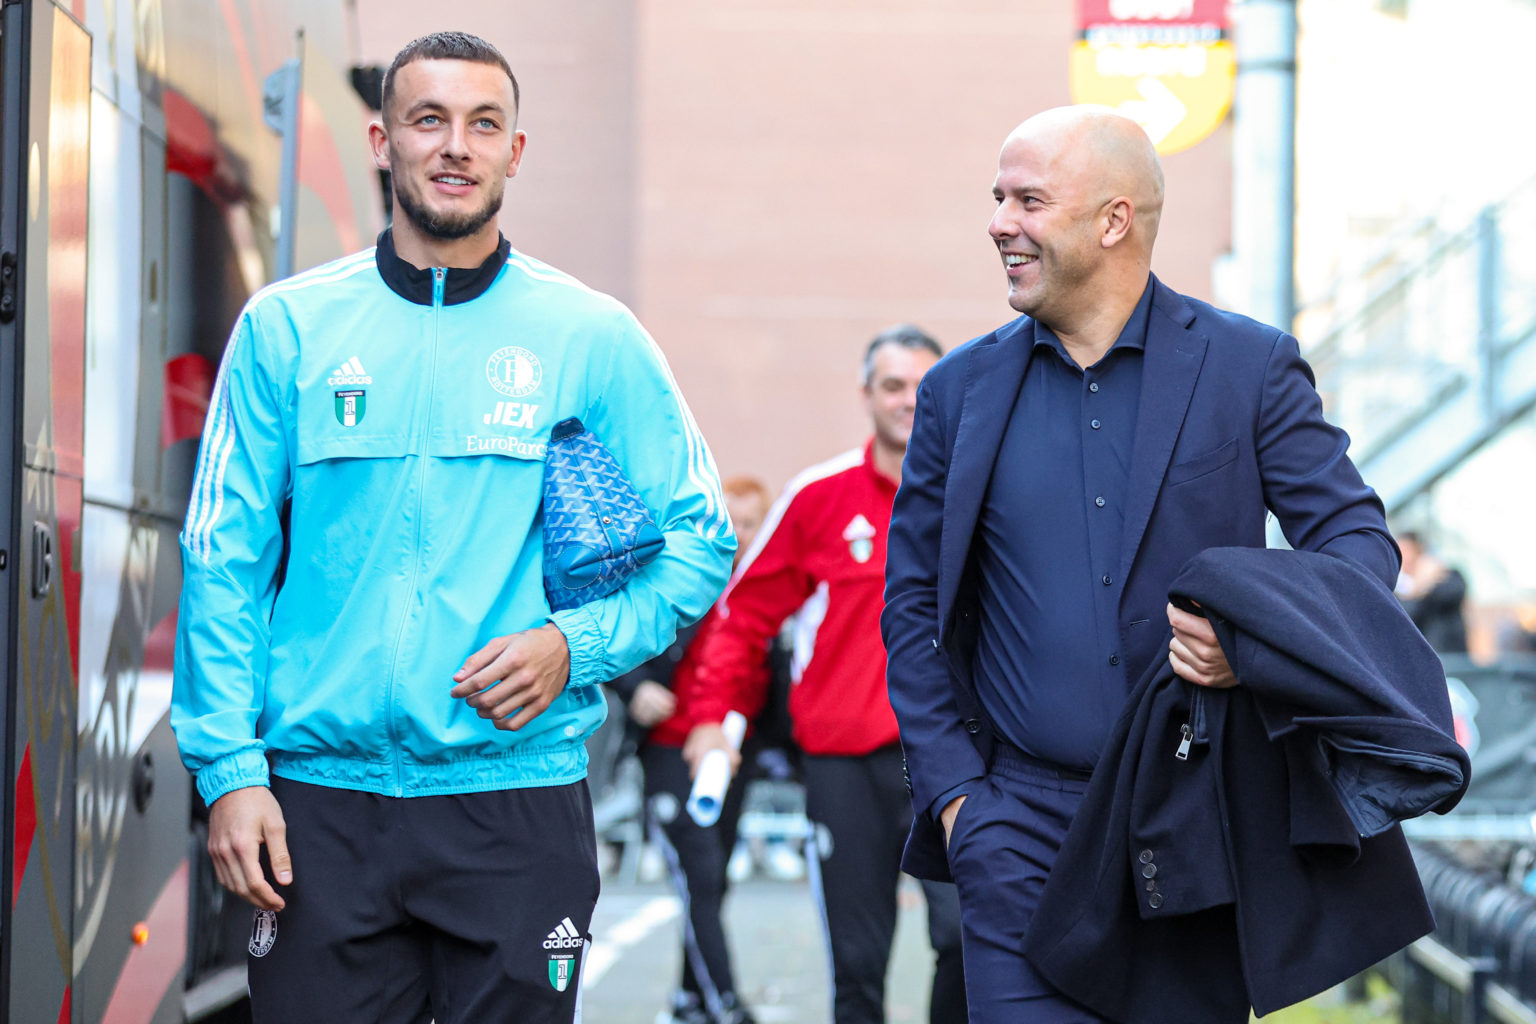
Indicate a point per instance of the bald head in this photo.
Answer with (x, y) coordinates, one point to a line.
(1104, 153)
(1079, 194)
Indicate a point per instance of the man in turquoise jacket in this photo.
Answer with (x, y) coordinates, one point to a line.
(371, 688)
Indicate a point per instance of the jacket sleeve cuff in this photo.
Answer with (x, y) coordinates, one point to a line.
(585, 643)
(936, 809)
(243, 768)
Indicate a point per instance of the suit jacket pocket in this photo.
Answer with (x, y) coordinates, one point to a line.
(1202, 464)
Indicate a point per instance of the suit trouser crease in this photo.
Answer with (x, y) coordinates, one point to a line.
(1002, 848)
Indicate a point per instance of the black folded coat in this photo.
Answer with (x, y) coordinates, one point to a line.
(1240, 847)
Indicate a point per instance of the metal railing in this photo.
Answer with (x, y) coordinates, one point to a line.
(1437, 354)
(1479, 966)
(1436, 986)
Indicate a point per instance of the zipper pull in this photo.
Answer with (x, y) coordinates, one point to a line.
(1185, 742)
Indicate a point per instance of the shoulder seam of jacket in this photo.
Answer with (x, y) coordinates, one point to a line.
(326, 273)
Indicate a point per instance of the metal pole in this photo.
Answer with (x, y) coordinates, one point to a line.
(1475, 1005)
(281, 99)
(1264, 158)
(1488, 311)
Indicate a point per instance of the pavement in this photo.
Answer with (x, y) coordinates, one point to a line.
(781, 961)
(780, 955)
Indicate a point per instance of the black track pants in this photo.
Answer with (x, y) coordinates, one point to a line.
(860, 805)
(696, 860)
(461, 909)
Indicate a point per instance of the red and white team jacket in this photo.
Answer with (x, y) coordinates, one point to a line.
(821, 554)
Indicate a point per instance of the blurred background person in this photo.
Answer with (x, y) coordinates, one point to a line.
(821, 558)
(695, 857)
(1517, 635)
(1434, 595)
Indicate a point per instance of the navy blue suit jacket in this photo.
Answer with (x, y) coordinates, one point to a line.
(1230, 425)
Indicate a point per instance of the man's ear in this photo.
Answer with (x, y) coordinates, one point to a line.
(1119, 214)
(378, 142)
(519, 142)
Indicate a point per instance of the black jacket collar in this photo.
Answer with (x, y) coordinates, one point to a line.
(415, 285)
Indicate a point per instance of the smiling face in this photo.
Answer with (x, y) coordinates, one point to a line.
(1044, 227)
(890, 394)
(1079, 194)
(450, 142)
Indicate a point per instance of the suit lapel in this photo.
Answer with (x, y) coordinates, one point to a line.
(1170, 367)
(993, 376)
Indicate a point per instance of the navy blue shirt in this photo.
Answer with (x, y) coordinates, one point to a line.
(1047, 664)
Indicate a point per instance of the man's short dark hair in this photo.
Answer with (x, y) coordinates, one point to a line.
(904, 335)
(448, 46)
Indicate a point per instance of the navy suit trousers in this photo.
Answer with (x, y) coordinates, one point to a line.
(1003, 846)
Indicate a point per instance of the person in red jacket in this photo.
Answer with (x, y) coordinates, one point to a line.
(657, 695)
(821, 557)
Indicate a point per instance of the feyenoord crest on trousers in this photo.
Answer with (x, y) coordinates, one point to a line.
(565, 936)
(263, 932)
(560, 970)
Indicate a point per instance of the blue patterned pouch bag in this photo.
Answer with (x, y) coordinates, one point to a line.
(597, 531)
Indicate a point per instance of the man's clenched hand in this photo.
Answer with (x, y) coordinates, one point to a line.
(1195, 653)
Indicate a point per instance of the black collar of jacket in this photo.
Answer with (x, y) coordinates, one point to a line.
(461, 284)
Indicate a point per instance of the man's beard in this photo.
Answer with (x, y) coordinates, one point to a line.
(444, 226)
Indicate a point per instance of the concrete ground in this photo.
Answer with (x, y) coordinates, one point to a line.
(780, 955)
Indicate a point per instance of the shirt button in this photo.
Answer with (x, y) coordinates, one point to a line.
(1108, 580)
(1099, 502)
(1093, 386)
(1155, 900)
(1145, 857)
(1149, 871)
(1094, 424)
(1114, 659)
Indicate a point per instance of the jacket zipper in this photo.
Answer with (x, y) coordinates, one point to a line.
(1186, 740)
(438, 274)
(1196, 716)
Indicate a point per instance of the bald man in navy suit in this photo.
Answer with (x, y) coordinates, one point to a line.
(1061, 470)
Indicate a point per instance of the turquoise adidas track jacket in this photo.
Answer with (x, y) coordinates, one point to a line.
(402, 416)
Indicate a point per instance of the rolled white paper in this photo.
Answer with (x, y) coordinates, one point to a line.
(714, 777)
